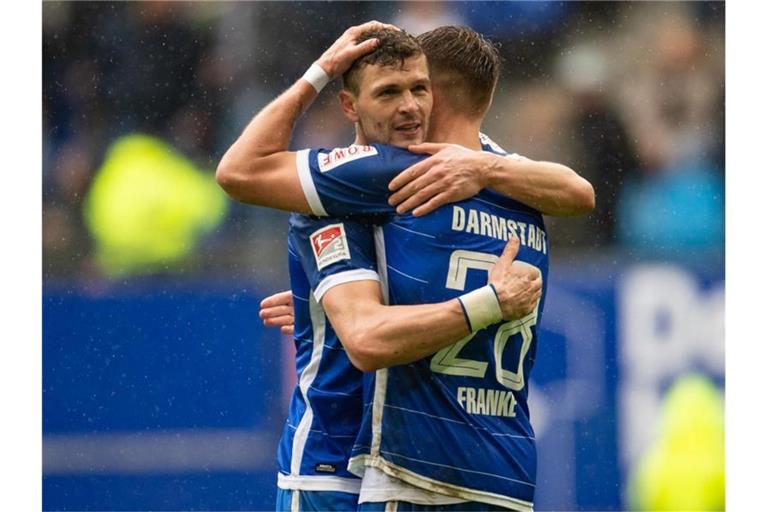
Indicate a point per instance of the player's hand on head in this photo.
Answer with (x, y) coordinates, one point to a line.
(518, 284)
(340, 56)
(453, 173)
(277, 311)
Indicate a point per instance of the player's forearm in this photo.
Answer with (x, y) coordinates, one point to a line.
(551, 188)
(246, 171)
(386, 336)
(271, 129)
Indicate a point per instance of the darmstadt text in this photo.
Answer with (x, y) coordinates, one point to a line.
(482, 223)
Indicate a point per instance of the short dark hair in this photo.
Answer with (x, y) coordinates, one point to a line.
(464, 65)
(395, 46)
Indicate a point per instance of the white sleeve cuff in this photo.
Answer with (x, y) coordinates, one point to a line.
(307, 184)
(358, 274)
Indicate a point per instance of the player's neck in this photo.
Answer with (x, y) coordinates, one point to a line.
(455, 130)
(360, 137)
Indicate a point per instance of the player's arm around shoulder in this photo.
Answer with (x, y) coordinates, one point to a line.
(550, 187)
(454, 173)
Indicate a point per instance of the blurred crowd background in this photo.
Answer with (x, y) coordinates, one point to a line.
(630, 95)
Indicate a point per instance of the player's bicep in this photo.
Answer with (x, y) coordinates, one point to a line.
(280, 185)
(270, 181)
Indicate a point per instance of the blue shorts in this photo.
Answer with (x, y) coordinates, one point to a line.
(315, 501)
(404, 506)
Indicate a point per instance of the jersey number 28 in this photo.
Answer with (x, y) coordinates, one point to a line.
(447, 360)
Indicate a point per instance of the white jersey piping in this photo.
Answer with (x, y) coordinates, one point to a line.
(308, 184)
(348, 276)
(317, 316)
(318, 483)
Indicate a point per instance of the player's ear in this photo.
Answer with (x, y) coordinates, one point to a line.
(348, 105)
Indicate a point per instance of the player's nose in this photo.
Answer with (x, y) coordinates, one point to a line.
(408, 104)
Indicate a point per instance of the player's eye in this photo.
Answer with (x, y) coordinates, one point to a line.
(420, 88)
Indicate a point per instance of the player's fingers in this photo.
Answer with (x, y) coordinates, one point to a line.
(358, 30)
(510, 250)
(278, 321)
(278, 299)
(420, 196)
(287, 329)
(411, 189)
(376, 24)
(368, 25)
(363, 48)
(275, 311)
(410, 174)
(428, 147)
(433, 204)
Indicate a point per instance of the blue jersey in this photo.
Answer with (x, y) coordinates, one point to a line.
(457, 422)
(325, 410)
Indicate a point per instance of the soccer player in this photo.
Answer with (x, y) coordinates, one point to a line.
(487, 409)
(324, 414)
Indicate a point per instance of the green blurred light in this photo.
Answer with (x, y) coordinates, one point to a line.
(148, 206)
(685, 467)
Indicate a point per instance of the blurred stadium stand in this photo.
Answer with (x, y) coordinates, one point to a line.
(161, 390)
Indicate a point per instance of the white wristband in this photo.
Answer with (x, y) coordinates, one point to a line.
(481, 307)
(317, 77)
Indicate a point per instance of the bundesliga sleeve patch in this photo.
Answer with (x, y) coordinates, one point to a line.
(340, 156)
(329, 245)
